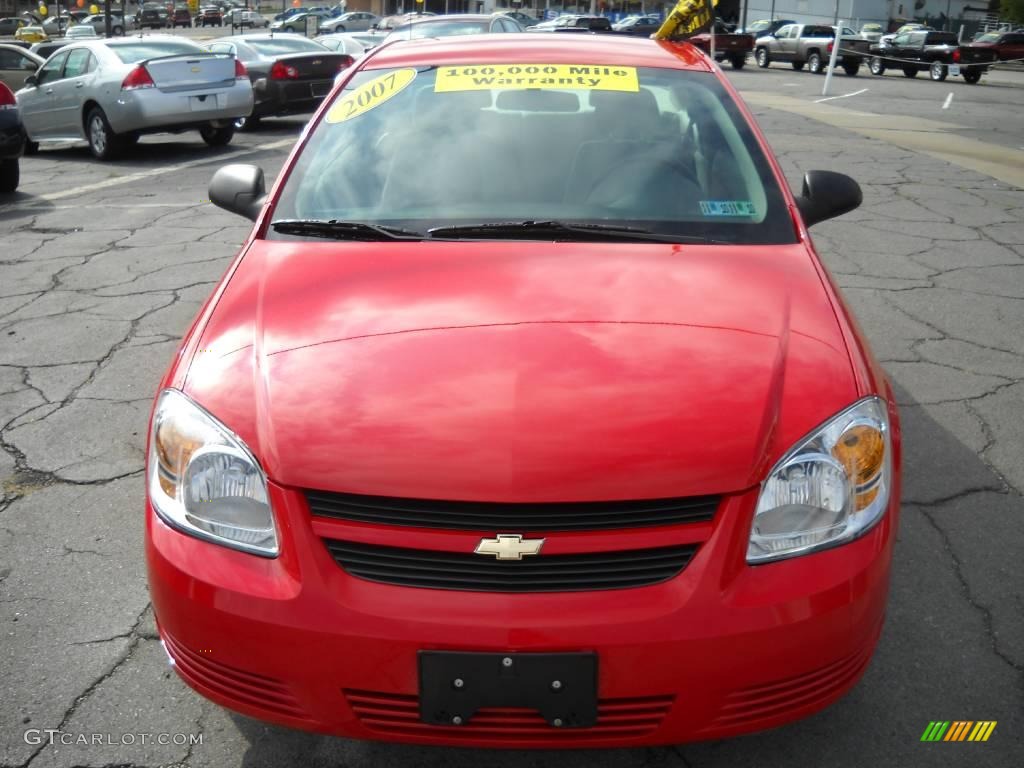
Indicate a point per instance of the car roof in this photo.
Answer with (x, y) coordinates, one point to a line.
(453, 17)
(520, 48)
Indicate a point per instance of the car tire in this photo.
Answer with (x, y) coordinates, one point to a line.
(738, 61)
(814, 63)
(31, 148)
(876, 65)
(938, 71)
(117, 31)
(762, 58)
(972, 77)
(851, 69)
(103, 142)
(910, 71)
(10, 174)
(798, 65)
(217, 135)
(249, 123)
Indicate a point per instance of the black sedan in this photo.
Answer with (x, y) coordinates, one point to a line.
(290, 74)
(12, 141)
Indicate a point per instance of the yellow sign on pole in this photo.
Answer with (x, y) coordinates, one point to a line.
(688, 18)
(193, 5)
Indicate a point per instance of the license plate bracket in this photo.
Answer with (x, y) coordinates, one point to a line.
(954, 69)
(561, 686)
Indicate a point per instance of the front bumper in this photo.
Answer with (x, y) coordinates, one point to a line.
(150, 110)
(719, 650)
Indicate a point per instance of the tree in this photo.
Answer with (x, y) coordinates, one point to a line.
(1012, 10)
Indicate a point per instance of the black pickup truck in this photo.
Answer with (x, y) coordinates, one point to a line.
(938, 53)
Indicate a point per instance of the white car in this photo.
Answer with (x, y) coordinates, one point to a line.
(251, 19)
(80, 31)
(356, 21)
(109, 92)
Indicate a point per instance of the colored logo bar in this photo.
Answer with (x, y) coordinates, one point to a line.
(958, 730)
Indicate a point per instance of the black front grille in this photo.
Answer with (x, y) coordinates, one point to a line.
(502, 516)
(541, 573)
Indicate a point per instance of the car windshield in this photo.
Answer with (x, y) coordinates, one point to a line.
(662, 150)
(438, 29)
(278, 45)
(133, 52)
(871, 28)
(989, 37)
(759, 26)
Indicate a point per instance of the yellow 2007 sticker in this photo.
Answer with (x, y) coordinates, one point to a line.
(480, 77)
(370, 95)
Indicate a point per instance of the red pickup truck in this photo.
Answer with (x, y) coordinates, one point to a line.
(733, 47)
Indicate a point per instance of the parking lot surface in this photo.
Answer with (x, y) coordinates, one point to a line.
(102, 267)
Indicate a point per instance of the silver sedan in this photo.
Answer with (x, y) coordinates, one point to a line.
(109, 92)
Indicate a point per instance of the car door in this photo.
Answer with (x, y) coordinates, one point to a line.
(15, 66)
(71, 91)
(1012, 46)
(784, 44)
(900, 47)
(36, 103)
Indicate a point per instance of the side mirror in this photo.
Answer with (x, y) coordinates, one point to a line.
(239, 189)
(31, 80)
(827, 194)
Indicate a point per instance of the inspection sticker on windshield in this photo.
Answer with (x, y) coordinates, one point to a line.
(481, 77)
(370, 95)
(727, 208)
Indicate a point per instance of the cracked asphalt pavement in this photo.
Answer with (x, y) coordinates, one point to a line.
(103, 266)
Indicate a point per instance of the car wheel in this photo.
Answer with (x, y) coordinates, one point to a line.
(250, 123)
(938, 71)
(102, 139)
(910, 71)
(972, 76)
(762, 58)
(217, 135)
(339, 29)
(31, 148)
(10, 173)
(876, 65)
(798, 65)
(738, 61)
(852, 69)
(117, 31)
(815, 64)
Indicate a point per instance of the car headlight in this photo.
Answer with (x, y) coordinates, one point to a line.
(203, 480)
(830, 489)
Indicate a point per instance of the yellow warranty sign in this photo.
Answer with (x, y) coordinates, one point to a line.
(482, 77)
(370, 95)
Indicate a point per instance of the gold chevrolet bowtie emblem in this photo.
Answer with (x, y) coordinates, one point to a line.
(509, 547)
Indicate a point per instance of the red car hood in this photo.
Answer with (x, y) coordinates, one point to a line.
(521, 371)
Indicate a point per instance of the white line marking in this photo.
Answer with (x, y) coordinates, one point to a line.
(132, 177)
(842, 96)
(948, 101)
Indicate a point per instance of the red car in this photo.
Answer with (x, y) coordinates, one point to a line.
(527, 416)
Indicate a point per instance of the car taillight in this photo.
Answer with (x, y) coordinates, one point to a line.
(345, 63)
(956, 56)
(6, 97)
(831, 45)
(240, 70)
(282, 71)
(137, 78)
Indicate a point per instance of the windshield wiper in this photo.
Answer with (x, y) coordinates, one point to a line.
(342, 230)
(557, 230)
